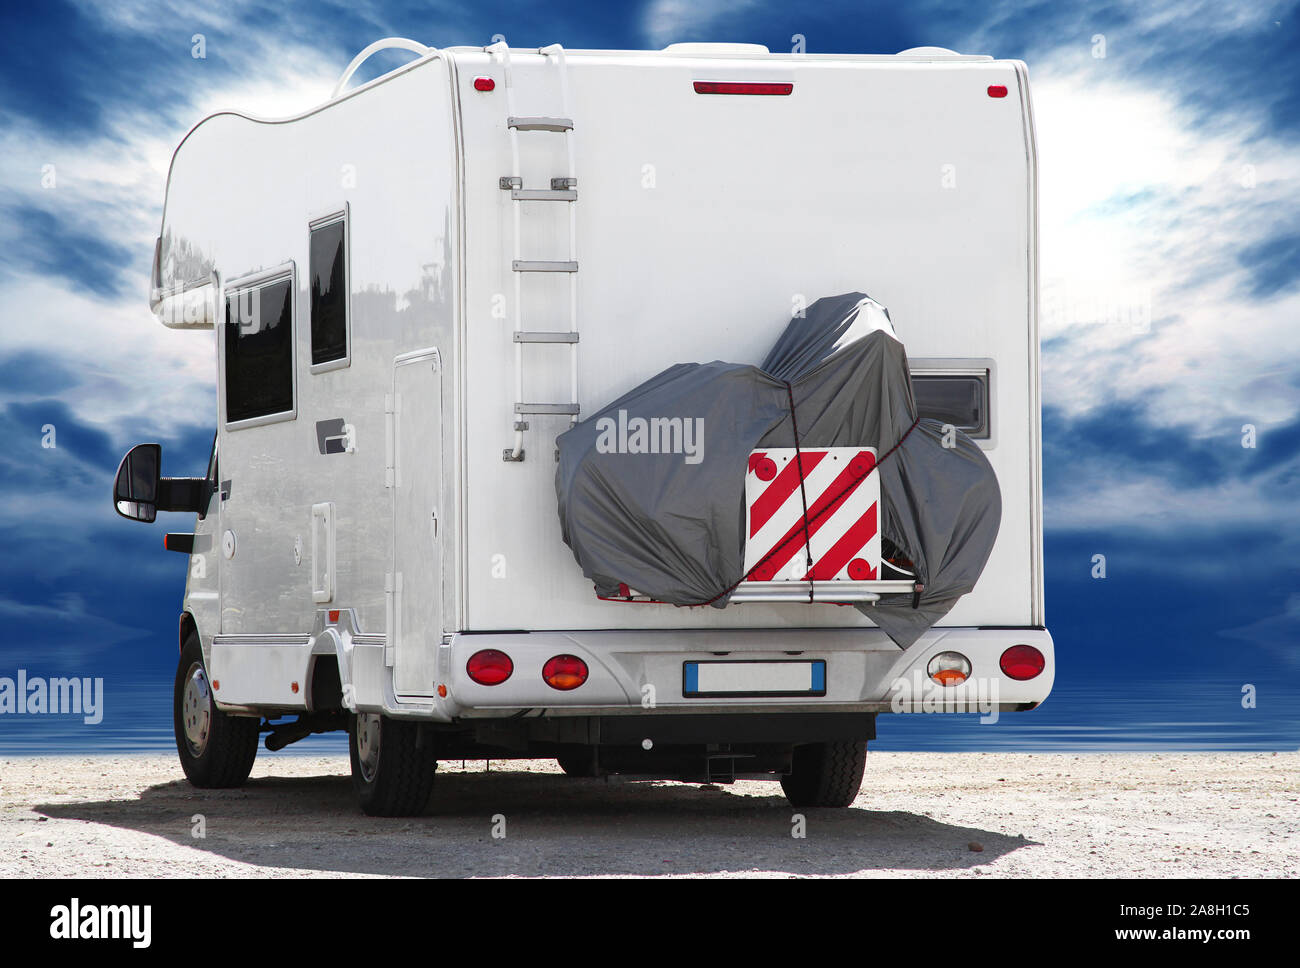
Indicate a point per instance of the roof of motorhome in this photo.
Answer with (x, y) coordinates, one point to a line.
(675, 51)
(689, 51)
(683, 51)
(749, 52)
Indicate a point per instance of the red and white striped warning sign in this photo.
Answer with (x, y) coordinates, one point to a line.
(843, 515)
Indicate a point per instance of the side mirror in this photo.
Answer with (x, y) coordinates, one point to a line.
(135, 491)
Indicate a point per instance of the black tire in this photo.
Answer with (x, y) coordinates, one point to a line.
(825, 774)
(397, 777)
(220, 754)
(579, 763)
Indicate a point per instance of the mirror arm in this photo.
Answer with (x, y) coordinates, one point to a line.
(182, 493)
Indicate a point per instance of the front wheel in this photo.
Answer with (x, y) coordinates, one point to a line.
(392, 765)
(825, 774)
(216, 749)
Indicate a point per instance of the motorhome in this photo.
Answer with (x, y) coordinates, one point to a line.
(416, 286)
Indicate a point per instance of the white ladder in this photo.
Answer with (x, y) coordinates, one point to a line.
(563, 189)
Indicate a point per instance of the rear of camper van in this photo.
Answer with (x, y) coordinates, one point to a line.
(418, 286)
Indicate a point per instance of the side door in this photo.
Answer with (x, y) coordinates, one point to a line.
(414, 587)
(260, 444)
(202, 584)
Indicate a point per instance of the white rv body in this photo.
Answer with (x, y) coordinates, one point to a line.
(701, 224)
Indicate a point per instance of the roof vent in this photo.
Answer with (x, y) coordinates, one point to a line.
(928, 52)
(708, 50)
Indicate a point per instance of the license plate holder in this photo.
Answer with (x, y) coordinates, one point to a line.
(753, 678)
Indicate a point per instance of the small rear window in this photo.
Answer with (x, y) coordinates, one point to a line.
(958, 399)
(329, 292)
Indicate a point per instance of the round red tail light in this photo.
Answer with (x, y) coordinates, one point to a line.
(1022, 662)
(564, 672)
(489, 667)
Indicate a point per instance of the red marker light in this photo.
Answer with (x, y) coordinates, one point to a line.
(742, 87)
(484, 84)
(489, 667)
(997, 90)
(1021, 662)
(859, 570)
(764, 467)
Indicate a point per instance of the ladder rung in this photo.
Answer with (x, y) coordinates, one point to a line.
(544, 337)
(540, 124)
(525, 265)
(546, 408)
(543, 195)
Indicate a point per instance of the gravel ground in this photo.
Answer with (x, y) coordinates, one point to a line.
(918, 815)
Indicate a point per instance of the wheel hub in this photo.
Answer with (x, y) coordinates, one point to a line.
(368, 729)
(196, 710)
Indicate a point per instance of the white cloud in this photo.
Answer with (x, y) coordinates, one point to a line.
(111, 188)
(1130, 497)
(142, 16)
(1143, 218)
(1146, 208)
(301, 81)
(669, 21)
(129, 365)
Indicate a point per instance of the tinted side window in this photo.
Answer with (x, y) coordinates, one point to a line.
(211, 480)
(962, 401)
(259, 351)
(329, 293)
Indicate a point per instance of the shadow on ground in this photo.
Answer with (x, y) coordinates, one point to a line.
(554, 825)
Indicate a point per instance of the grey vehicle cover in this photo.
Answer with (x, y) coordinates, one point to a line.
(671, 525)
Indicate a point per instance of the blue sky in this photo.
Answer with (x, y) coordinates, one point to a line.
(1169, 137)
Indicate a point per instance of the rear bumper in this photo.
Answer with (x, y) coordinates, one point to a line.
(635, 673)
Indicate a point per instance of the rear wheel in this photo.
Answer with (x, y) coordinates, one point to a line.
(216, 750)
(580, 763)
(825, 774)
(392, 770)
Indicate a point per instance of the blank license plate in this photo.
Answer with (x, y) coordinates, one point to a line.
(796, 677)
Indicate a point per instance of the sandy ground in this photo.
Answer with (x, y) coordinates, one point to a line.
(1033, 815)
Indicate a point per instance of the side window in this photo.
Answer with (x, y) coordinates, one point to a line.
(329, 292)
(258, 337)
(211, 480)
(213, 471)
(960, 398)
